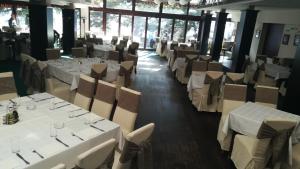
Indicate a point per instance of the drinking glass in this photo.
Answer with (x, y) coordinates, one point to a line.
(53, 132)
(15, 144)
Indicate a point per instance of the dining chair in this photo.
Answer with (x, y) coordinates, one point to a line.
(137, 145)
(215, 66)
(59, 89)
(39, 73)
(124, 76)
(59, 166)
(113, 55)
(234, 78)
(267, 96)
(257, 151)
(114, 40)
(234, 96)
(79, 52)
(296, 156)
(133, 47)
(85, 92)
(25, 68)
(127, 109)
(104, 99)
(52, 53)
(133, 58)
(100, 156)
(261, 77)
(183, 73)
(98, 71)
(8, 88)
(199, 68)
(209, 94)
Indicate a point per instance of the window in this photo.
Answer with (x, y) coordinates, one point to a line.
(112, 25)
(78, 26)
(195, 10)
(58, 20)
(139, 30)
(23, 19)
(5, 14)
(192, 30)
(230, 31)
(147, 6)
(178, 34)
(98, 3)
(126, 22)
(166, 28)
(119, 4)
(211, 33)
(151, 32)
(96, 18)
(175, 9)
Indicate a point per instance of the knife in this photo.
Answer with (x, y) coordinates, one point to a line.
(62, 142)
(22, 158)
(96, 128)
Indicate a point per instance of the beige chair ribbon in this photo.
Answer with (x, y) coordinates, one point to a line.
(188, 69)
(140, 156)
(7, 85)
(231, 80)
(105, 93)
(98, 75)
(200, 66)
(214, 87)
(127, 75)
(86, 88)
(129, 101)
(215, 66)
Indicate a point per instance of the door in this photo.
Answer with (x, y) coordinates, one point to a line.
(273, 39)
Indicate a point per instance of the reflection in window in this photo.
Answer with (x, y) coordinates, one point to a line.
(175, 9)
(192, 30)
(77, 20)
(119, 4)
(148, 6)
(195, 10)
(112, 25)
(178, 34)
(230, 31)
(126, 21)
(57, 20)
(96, 23)
(139, 30)
(152, 32)
(166, 28)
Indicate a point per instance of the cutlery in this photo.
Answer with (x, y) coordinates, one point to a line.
(22, 158)
(96, 128)
(77, 136)
(61, 106)
(44, 99)
(34, 151)
(59, 102)
(81, 114)
(75, 110)
(62, 142)
(98, 121)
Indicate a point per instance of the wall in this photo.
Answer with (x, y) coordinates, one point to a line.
(290, 18)
(84, 13)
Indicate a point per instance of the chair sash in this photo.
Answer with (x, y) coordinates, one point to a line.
(129, 101)
(140, 156)
(231, 80)
(113, 55)
(38, 77)
(7, 85)
(259, 68)
(105, 93)
(200, 66)
(215, 66)
(188, 69)
(86, 88)
(214, 87)
(27, 73)
(98, 75)
(107, 163)
(163, 46)
(279, 143)
(120, 49)
(127, 75)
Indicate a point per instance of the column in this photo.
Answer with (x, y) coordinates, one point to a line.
(218, 35)
(41, 30)
(244, 37)
(69, 29)
(205, 29)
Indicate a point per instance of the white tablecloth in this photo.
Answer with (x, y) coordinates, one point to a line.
(102, 51)
(33, 133)
(277, 71)
(248, 118)
(179, 63)
(196, 81)
(69, 70)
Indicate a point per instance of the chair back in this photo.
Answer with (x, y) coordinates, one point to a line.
(133, 58)
(59, 166)
(214, 66)
(200, 66)
(8, 88)
(104, 99)
(114, 40)
(38, 75)
(137, 144)
(127, 108)
(234, 78)
(132, 49)
(214, 80)
(97, 157)
(79, 52)
(125, 71)
(25, 57)
(113, 55)
(234, 96)
(53, 54)
(173, 45)
(85, 92)
(99, 71)
(267, 96)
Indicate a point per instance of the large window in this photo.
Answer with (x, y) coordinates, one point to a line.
(192, 30)
(230, 31)
(166, 28)
(211, 33)
(151, 32)
(5, 14)
(126, 22)
(174, 9)
(112, 25)
(99, 3)
(23, 19)
(178, 34)
(58, 20)
(139, 30)
(119, 4)
(148, 6)
(96, 18)
(78, 26)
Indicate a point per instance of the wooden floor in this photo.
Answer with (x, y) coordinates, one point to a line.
(183, 137)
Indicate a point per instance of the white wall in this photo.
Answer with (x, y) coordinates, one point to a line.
(291, 20)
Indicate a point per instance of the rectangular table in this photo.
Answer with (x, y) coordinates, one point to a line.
(33, 133)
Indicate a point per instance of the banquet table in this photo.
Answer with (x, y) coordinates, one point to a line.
(248, 118)
(277, 71)
(50, 131)
(69, 70)
(102, 51)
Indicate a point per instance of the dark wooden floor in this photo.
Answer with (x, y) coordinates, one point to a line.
(183, 137)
